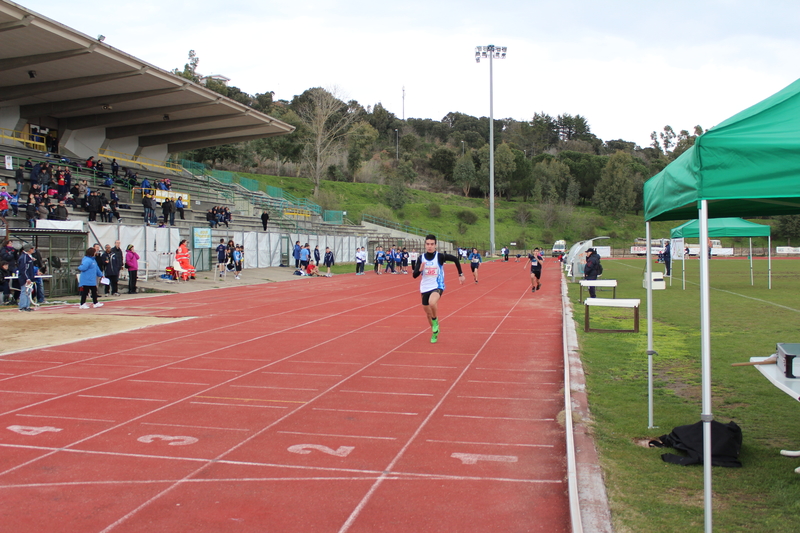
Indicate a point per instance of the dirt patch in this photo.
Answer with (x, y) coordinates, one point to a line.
(46, 328)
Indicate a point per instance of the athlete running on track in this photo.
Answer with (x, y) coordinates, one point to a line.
(431, 266)
(535, 259)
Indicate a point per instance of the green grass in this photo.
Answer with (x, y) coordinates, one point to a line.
(647, 494)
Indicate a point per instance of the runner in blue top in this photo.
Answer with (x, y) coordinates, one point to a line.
(305, 256)
(475, 263)
(535, 259)
(380, 257)
(431, 266)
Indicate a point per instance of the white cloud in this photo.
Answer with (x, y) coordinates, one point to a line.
(629, 67)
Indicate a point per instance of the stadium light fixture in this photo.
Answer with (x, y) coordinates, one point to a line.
(492, 52)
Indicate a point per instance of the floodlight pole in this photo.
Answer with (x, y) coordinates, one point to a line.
(491, 52)
(397, 144)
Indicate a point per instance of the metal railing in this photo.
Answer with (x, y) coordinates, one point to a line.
(168, 166)
(14, 137)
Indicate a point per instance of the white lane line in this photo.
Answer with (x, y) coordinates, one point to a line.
(516, 369)
(238, 359)
(108, 364)
(6, 374)
(401, 377)
(120, 398)
(335, 435)
(390, 393)
(505, 398)
(324, 362)
(68, 418)
(507, 382)
(167, 382)
(26, 392)
(202, 369)
(492, 443)
(68, 377)
(501, 418)
(418, 366)
(187, 426)
(360, 411)
(32, 362)
(242, 405)
(266, 387)
(398, 476)
(302, 374)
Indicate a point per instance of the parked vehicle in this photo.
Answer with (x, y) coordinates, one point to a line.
(560, 247)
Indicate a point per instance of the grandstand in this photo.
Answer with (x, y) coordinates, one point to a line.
(143, 117)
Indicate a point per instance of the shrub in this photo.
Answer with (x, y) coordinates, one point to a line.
(522, 215)
(467, 217)
(434, 210)
(380, 211)
(547, 237)
(462, 228)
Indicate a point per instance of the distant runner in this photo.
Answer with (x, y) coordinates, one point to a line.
(431, 266)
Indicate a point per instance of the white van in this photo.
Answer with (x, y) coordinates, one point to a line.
(560, 247)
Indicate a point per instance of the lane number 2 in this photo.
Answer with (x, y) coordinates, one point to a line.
(305, 449)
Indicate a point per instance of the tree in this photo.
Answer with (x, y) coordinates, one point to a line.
(553, 178)
(443, 159)
(328, 120)
(283, 148)
(189, 69)
(464, 174)
(667, 138)
(788, 226)
(504, 167)
(615, 194)
(359, 139)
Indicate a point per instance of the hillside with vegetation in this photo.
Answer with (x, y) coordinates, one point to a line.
(554, 178)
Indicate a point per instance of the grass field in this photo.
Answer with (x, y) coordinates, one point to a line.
(647, 494)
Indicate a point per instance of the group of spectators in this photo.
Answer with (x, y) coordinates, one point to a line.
(219, 214)
(169, 208)
(230, 258)
(305, 266)
(101, 267)
(19, 269)
(394, 261)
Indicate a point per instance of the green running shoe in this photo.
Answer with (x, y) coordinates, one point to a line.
(434, 337)
(435, 325)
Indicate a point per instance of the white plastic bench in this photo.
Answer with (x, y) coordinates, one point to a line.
(598, 283)
(630, 303)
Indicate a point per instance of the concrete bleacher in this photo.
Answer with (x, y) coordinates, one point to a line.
(205, 192)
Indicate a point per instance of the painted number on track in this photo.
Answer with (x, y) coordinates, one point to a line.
(169, 439)
(473, 458)
(305, 449)
(32, 430)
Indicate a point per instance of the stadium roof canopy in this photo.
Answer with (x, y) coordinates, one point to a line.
(97, 97)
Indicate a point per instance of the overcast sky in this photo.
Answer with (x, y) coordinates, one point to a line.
(629, 67)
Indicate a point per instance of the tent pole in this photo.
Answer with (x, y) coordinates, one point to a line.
(683, 263)
(705, 350)
(769, 256)
(751, 261)
(650, 351)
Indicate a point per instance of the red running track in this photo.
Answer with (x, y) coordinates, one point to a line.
(316, 405)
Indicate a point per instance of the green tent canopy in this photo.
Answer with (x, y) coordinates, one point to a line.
(749, 165)
(721, 227)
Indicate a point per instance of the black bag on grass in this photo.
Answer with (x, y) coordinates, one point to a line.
(726, 444)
